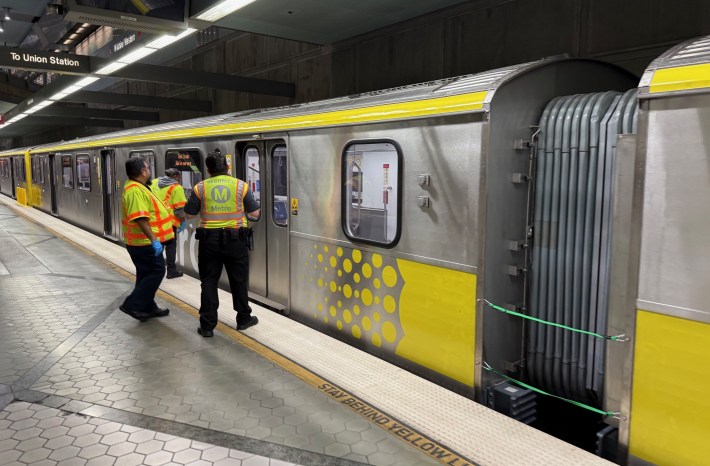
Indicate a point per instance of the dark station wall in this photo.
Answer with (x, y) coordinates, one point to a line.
(471, 37)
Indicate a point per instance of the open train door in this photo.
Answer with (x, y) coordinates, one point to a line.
(112, 215)
(264, 166)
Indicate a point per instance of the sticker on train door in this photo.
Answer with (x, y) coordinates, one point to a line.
(294, 206)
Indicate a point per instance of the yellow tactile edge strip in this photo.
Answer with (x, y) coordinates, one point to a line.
(389, 423)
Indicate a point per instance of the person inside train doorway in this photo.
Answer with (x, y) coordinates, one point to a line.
(146, 226)
(168, 189)
(223, 203)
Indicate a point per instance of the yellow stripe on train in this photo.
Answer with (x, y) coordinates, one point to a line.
(681, 78)
(438, 106)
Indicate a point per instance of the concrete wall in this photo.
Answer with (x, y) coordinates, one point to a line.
(474, 36)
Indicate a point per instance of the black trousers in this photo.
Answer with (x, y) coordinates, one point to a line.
(171, 253)
(216, 251)
(150, 270)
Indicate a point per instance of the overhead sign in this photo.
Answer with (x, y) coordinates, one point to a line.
(43, 61)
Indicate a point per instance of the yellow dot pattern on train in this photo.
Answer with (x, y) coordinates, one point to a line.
(366, 288)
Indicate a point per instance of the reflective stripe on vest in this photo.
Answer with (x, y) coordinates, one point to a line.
(159, 219)
(221, 207)
(167, 195)
(169, 205)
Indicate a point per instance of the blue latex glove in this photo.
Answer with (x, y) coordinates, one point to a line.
(157, 247)
(182, 227)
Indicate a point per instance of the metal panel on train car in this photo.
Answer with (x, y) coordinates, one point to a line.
(413, 302)
(676, 224)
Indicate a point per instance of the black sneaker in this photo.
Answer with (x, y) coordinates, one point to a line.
(157, 312)
(174, 275)
(136, 315)
(249, 323)
(205, 333)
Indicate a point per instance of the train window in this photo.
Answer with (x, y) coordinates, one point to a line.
(149, 157)
(19, 169)
(67, 172)
(370, 202)
(20, 166)
(83, 173)
(189, 162)
(279, 174)
(253, 178)
(36, 164)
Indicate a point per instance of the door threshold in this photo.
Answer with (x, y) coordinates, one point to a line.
(268, 303)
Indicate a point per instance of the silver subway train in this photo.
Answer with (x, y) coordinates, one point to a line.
(543, 222)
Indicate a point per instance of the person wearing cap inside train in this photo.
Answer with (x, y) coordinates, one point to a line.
(168, 189)
(223, 203)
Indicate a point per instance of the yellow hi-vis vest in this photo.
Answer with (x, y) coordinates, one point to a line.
(222, 200)
(173, 197)
(139, 201)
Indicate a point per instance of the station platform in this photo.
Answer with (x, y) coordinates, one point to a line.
(81, 383)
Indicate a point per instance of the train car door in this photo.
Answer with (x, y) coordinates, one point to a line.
(264, 165)
(53, 184)
(112, 215)
(12, 176)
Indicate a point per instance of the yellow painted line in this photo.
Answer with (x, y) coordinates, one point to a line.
(681, 78)
(407, 434)
(438, 106)
(390, 424)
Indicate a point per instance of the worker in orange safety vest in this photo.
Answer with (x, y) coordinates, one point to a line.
(168, 189)
(147, 225)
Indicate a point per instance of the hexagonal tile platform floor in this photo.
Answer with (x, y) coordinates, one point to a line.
(88, 385)
(40, 435)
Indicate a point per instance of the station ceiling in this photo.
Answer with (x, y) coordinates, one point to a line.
(34, 25)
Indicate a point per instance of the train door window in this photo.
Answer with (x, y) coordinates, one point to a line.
(371, 192)
(36, 164)
(189, 162)
(83, 173)
(253, 177)
(149, 157)
(279, 174)
(67, 172)
(20, 166)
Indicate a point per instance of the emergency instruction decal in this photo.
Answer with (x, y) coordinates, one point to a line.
(294, 206)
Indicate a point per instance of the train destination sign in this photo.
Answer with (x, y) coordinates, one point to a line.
(43, 61)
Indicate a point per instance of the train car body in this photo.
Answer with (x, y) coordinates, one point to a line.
(391, 219)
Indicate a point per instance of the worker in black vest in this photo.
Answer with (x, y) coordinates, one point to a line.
(223, 203)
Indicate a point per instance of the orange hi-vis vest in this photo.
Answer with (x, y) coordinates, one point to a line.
(222, 200)
(172, 197)
(139, 201)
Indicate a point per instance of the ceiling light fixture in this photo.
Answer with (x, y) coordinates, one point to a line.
(2, 29)
(108, 69)
(7, 14)
(132, 57)
(223, 9)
